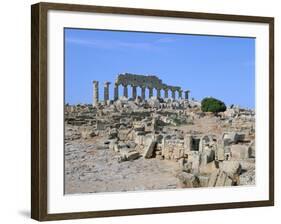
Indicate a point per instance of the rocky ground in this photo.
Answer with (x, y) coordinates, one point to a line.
(88, 169)
(147, 145)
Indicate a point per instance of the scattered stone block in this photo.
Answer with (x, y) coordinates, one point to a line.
(113, 133)
(209, 168)
(203, 181)
(132, 155)
(220, 153)
(231, 167)
(102, 147)
(239, 152)
(228, 182)
(213, 178)
(221, 179)
(195, 163)
(127, 154)
(149, 148)
(188, 180)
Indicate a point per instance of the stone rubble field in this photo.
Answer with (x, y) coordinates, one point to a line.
(154, 144)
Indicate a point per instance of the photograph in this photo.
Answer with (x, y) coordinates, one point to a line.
(151, 111)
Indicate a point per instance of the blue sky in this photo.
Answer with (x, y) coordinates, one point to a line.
(221, 67)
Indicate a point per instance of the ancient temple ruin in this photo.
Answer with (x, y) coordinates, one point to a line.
(143, 82)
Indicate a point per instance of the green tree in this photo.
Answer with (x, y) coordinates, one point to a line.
(210, 104)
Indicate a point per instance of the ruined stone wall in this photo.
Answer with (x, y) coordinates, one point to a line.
(173, 149)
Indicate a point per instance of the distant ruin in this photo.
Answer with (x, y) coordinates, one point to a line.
(144, 82)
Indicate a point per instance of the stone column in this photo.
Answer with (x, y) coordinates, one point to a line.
(116, 93)
(173, 94)
(150, 92)
(134, 92)
(106, 92)
(180, 94)
(143, 92)
(95, 93)
(125, 91)
(186, 94)
(158, 93)
(166, 94)
(187, 143)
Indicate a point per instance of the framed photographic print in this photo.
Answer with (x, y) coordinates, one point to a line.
(141, 111)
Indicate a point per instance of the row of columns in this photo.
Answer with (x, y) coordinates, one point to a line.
(134, 92)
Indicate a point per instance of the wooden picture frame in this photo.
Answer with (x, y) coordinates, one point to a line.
(39, 108)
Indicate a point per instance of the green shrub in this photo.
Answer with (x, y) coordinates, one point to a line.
(210, 104)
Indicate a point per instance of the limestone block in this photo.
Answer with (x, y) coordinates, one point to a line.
(247, 178)
(188, 180)
(230, 167)
(139, 139)
(239, 152)
(153, 102)
(86, 132)
(220, 153)
(187, 143)
(132, 155)
(232, 137)
(221, 179)
(112, 143)
(177, 153)
(208, 168)
(228, 182)
(123, 134)
(252, 150)
(206, 157)
(101, 147)
(149, 148)
(203, 181)
(100, 125)
(128, 153)
(115, 147)
(213, 178)
(195, 163)
(113, 133)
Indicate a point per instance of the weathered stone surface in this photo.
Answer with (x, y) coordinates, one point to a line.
(132, 155)
(115, 147)
(112, 143)
(187, 143)
(228, 182)
(149, 148)
(148, 81)
(221, 179)
(213, 178)
(230, 167)
(86, 132)
(123, 134)
(95, 93)
(220, 150)
(128, 154)
(101, 147)
(188, 180)
(232, 138)
(203, 181)
(252, 150)
(247, 178)
(208, 168)
(113, 133)
(154, 102)
(195, 163)
(207, 156)
(239, 152)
